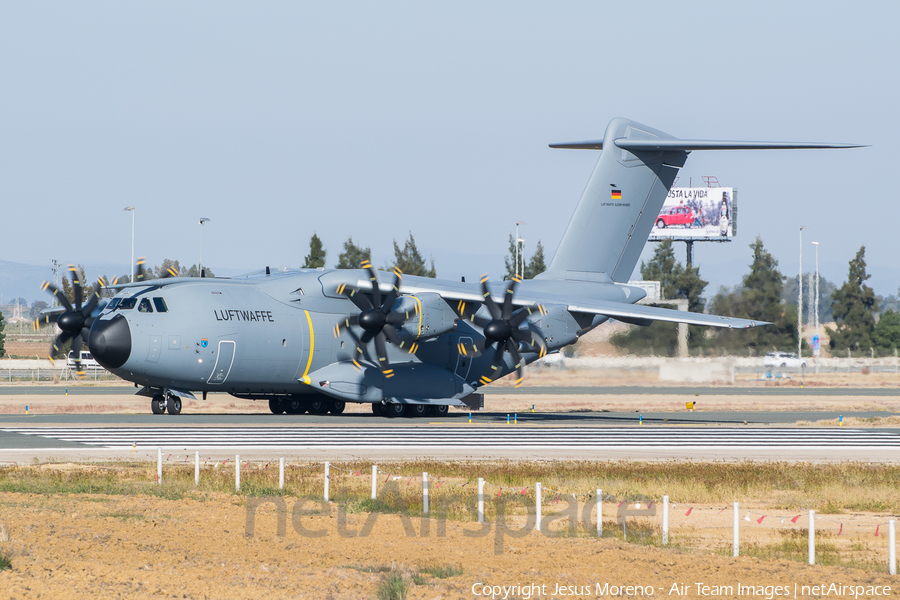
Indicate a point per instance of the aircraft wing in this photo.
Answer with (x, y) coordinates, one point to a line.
(643, 315)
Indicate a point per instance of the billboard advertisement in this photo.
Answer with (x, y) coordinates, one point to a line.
(706, 213)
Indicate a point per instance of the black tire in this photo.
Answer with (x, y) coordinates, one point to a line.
(157, 405)
(660, 223)
(276, 406)
(317, 407)
(416, 410)
(393, 410)
(337, 407)
(783, 365)
(173, 405)
(294, 406)
(438, 411)
(378, 409)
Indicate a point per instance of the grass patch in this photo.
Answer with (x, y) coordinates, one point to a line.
(393, 586)
(5, 562)
(124, 516)
(794, 545)
(442, 571)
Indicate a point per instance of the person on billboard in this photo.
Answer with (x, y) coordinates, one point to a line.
(723, 215)
(695, 212)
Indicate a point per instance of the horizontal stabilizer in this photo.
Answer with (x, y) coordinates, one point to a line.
(640, 314)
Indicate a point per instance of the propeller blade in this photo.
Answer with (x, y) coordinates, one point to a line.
(58, 293)
(345, 324)
(474, 349)
(45, 320)
(525, 312)
(367, 337)
(169, 272)
(391, 334)
(494, 371)
(140, 273)
(373, 277)
(92, 301)
(383, 362)
(492, 306)
(507, 300)
(76, 285)
(77, 344)
(518, 363)
(533, 340)
(61, 339)
(395, 291)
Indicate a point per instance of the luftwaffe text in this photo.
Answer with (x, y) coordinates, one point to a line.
(244, 315)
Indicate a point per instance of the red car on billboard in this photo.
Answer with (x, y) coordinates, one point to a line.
(677, 215)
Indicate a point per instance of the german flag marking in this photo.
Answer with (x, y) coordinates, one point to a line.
(615, 194)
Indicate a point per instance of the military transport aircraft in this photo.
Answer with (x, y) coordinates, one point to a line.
(311, 340)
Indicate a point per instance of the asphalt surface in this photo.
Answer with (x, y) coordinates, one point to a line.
(762, 390)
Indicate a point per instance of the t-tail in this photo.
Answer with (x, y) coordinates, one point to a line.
(636, 169)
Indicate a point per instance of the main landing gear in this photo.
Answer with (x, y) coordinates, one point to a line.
(161, 404)
(409, 410)
(297, 405)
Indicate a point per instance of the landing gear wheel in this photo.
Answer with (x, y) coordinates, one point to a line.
(394, 410)
(378, 409)
(158, 404)
(439, 411)
(276, 406)
(416, 410)
(317, 407)
(173, 405)
(294, 406)
(337, 407)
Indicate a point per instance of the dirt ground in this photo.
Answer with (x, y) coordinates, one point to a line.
(94, 546)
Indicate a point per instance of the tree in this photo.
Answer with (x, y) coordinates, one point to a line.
(316, 257)
(854, 309)
(886, 334)
(826, 289)
(194, 271)
(530, 269)
(677, 282)
(2, 335)
(36, 307)
(759, 298)
(536, 265)
(353, 255)
(410, 261)
(163, 269)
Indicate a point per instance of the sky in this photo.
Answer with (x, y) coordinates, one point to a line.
(278, 120)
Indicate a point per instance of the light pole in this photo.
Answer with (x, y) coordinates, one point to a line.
(800, 300)
(816, 309)
(131, 210)
(518, 242)
(202, 221)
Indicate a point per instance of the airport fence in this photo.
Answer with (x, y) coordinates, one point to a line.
(54, 375)
(513, 511)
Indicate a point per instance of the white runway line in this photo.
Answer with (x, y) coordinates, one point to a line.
(418, 437)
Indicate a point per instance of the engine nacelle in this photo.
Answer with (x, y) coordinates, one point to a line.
(434, 316)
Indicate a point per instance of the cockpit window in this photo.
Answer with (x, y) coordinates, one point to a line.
(160, 305)
(127, 303)
(144, 306)
(113, 303)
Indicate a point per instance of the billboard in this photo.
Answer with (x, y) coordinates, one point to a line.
(706, 213)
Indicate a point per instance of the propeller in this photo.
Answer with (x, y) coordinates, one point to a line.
(74, 321)
(502, 333)
(376, 319)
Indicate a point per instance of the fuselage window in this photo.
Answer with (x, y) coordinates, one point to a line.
(127, 303)
(160, 305)
(144, 306)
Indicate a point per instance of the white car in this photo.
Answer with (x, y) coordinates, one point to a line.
(783, 359)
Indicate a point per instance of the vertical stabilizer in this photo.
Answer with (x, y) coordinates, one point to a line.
(617, 210)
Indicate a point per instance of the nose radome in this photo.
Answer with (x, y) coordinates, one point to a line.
(110, 342)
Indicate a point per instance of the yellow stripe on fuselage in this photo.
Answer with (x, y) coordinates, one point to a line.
(312, 345)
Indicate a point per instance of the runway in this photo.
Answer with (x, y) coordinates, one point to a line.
(484, 441)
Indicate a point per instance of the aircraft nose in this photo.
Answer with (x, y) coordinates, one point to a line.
(110, 342)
